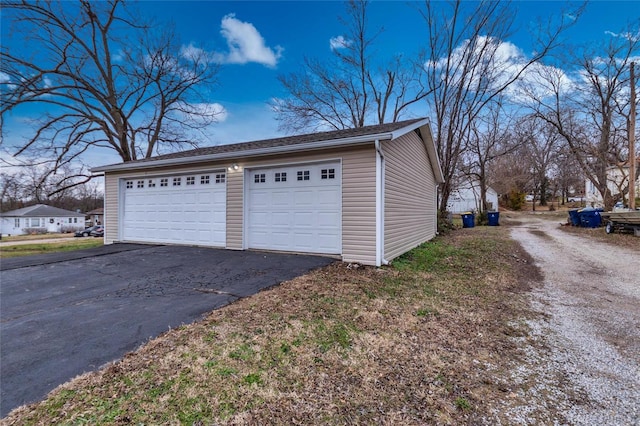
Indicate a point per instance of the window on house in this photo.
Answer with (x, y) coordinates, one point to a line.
(16, 223)
(221, 178)
(191, 180)
(259, 178)
(129, 184)
(70, 220)
(35, 222)
(204, 180)
(177, 181)
(164, 182)
(281, 177)
(140, 184)
(303, 175)
(328, 173)
(75, 220)
(152, 183)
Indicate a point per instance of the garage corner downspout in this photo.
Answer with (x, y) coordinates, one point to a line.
(380, 260)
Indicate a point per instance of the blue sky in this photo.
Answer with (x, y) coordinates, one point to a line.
(304, 28)
(277, 35)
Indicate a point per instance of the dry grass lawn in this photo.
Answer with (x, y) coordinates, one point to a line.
(422, 341)
(49, 247)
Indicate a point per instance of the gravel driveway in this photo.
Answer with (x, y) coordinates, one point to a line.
(583, 356)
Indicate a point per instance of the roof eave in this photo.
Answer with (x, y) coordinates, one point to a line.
(432, 150)
(357, 140)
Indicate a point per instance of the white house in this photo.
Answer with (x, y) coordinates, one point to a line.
(617, 176)
(40, 218)
(466, 197)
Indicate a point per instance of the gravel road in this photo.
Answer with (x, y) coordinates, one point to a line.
(582, 361)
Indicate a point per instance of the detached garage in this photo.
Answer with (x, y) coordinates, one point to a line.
(366, 195)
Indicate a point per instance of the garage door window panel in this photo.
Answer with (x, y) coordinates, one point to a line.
(303, 175)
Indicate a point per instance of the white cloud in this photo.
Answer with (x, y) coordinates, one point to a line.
(339, 42)
(626, 35)
(192, 53)
(203, 115)
(502, 62)
(245, 44)
(207, 109)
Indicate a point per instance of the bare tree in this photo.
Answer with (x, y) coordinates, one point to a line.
(590, 112)
(11, 190)
(36, 185)
(569, 175)
(352, 90)
(468, 64)
(104, 79)
(541, 145)
(490, 138)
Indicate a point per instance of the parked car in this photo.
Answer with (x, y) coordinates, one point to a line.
(98, 232)
(87, 231)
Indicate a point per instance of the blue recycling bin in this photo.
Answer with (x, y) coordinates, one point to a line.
(590, 218)
(574, 216)
(494, 218)
(468, 220)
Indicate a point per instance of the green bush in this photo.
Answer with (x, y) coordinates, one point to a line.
(445, 222)
(516, 200)
(482, 219)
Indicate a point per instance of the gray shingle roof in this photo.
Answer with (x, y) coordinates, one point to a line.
(288, 141)
(41, 210)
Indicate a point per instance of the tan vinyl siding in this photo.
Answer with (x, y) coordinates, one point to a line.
(409, 195)
(235, 202)
(110, 219)
(358, 196)
(359, 206)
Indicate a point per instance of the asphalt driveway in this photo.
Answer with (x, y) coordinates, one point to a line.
(65, 314)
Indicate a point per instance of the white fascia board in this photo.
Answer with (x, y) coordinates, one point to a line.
(246, 153)
(403, 131)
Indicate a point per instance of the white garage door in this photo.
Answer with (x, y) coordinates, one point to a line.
(295, 208)
(185, 209)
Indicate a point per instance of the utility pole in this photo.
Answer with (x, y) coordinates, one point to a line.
(632, 140)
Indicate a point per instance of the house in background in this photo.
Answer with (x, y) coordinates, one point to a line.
(95, 216)
(365, 195)
(616, 176)
(466, 197)
(40, 218)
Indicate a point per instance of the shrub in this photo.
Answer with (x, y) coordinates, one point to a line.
(34, 231)
(516, 200)
(70, 228)
(482, 219)
(445, 222)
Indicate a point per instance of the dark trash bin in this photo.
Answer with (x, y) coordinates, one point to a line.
(468, 220)
(590, 218)
(494, 218)
(574, 216)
